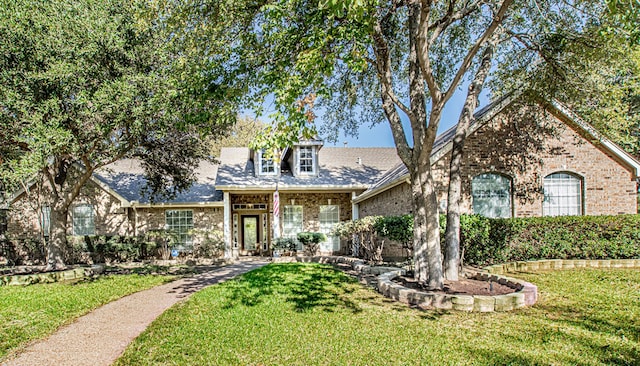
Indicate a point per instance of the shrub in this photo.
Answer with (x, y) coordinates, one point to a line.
(285, 244)
(362, 237)
(209, 243)
(311, 241)
(487, 241)
(397, 228)
(22, 251)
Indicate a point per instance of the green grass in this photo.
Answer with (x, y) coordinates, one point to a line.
(33, 312)
(309, 314)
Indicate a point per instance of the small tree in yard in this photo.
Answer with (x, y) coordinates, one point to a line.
(311, 241)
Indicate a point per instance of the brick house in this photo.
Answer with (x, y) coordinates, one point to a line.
(519, 161)
(315, 185)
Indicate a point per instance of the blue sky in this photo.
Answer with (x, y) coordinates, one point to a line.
(380, 134)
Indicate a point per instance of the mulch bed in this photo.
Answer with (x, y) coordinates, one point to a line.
(465, 286)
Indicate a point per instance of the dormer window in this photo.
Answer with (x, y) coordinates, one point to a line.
(266, 166)
(306, 160)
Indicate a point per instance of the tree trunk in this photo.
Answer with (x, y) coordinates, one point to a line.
(426, 229)
(452, 233)
(57, 237)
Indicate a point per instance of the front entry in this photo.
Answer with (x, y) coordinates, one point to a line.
(250, 232)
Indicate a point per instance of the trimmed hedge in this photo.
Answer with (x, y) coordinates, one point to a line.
(489, 241)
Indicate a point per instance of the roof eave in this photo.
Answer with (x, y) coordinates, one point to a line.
(590, 130)
(272, 187)
(394, 183)
(135, 204)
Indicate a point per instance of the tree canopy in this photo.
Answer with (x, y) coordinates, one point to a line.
(85, 83)
(363, 61)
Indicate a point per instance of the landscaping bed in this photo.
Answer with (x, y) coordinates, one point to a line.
(465, 286)
(312, 314)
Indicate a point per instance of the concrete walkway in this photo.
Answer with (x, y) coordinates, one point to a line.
(101, 336)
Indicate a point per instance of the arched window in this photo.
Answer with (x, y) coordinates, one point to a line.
(491, 195)
(562, 195)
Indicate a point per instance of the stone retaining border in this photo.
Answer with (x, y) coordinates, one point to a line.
(50, 277)
(558, 264)
(526, 294)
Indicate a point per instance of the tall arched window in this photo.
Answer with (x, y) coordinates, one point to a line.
(491, 195)
(562, 195)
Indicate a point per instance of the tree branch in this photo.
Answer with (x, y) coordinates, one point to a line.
(383, 69)
(497, 20)
(443, 23)
(422, 47)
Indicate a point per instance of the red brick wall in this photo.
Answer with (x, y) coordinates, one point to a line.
(513, 144)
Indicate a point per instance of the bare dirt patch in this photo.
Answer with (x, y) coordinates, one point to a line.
(465, 286)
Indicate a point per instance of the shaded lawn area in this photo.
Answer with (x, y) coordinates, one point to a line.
(33, 312)
(310, 314)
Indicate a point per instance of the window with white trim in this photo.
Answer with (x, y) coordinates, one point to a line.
(329, 218)
(306, 160)
(181, 223)
(46, 220)
(83, 220)
(292, 222)
(491, 195)
(266, 165)
(562, 195)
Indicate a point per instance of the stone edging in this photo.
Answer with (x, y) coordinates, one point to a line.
(50, 277)
(526, 295)
(557, 264)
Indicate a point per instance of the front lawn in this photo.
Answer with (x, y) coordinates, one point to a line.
(33, 312)
(309, 314)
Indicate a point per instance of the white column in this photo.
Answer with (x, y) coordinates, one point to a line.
(227, 225)
(354, 207)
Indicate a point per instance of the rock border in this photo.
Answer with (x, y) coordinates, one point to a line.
(559, 264)
(526, 293)
(50, 277)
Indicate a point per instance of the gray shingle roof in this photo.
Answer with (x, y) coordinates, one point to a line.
(339, 167)
(126, 177)
(400, 170)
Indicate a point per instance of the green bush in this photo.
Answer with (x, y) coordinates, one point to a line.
(285, 244)
(487, 241)
(311, 241)
(362, 237)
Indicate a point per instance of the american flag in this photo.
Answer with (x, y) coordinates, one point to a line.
(276, 204)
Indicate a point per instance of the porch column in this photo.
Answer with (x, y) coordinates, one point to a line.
(354, 207)
(227, 225)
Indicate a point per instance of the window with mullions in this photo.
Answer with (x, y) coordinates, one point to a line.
(181, 223)
(292, 222)
(491, 195)
(329, 218)
(83, 220)
(305, 161)
(562, 195)
(267, 166)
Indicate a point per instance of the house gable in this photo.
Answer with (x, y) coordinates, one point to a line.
(526, 152)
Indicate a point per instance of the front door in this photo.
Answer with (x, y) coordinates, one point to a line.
(250, 233)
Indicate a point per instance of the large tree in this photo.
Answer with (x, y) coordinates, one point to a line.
(361, 61)
(85, 83)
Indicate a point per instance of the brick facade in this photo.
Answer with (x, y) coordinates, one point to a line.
(110, 218)
(526, 147)
(310, 203)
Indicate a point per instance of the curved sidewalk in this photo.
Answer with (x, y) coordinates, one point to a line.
(100, 337)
